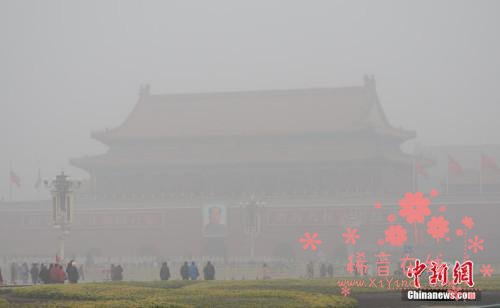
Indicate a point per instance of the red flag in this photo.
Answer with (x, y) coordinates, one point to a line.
(453, 166)
(488, 162)
(420, 169)
(14, 178)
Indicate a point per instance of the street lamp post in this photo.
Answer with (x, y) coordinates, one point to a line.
(253, 221)
(62, 207)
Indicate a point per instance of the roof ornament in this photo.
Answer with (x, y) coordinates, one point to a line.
(369, 81)
(144, 90)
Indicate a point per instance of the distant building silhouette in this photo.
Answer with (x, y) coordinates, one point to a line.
(270, 142)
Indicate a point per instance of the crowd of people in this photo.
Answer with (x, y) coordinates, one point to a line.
(189, 272)
(325, 270)
(116, 272)
(41, 273)
(153, 268)
(55, 273)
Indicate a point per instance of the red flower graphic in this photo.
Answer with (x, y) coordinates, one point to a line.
(437, 227)
(414, 207)
(309, 240)
(459, 232)
(434, 193)
(391, 218)
(395, 235)
(476, 244)
(378, 205)
(468, 222)
(486, 270)
(350, 236)
(345, 291)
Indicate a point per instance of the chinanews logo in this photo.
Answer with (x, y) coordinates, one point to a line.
(462, 273)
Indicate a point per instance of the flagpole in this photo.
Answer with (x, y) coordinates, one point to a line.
(95, 186)
(481, 176)
(414, 175)
(448, 176)
(10, 181)
(38, 181)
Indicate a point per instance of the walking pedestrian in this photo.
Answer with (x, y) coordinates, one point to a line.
(330, 270)
(52, 273)
(310, 270)
(193, 271)
(322, 270)
(209, 271)
(185, 271)
(118, 273)
(43, 275)
(60, 274)
(13, 273)
(25, 273)
(72, 272)
(164, 272)
(81, 272)
(34, 272)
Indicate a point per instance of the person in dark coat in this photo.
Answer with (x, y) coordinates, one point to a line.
(330, 270)
(34, 272)
(322, 270)
(1, 277)
(265, 272)
(44, 274)
(72, 272)
(112, 272)
(209, 271)
(185, 271)
(119, 272)
(25, 273)
(52, 273)
(81, 272)
(164, 272)
(13, 273)
(310, 270)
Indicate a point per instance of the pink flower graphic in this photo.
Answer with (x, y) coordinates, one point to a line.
(391, 218)
(309, 240)
(486, 270)
(476, 244)
(350, 236)
(468, 222)
(414, 207)
(437, 227)
(395, 235)
(434, 193)
(346, 291)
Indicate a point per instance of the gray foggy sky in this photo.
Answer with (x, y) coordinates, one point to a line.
(70, 67)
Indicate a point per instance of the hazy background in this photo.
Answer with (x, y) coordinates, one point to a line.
(70, 67)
